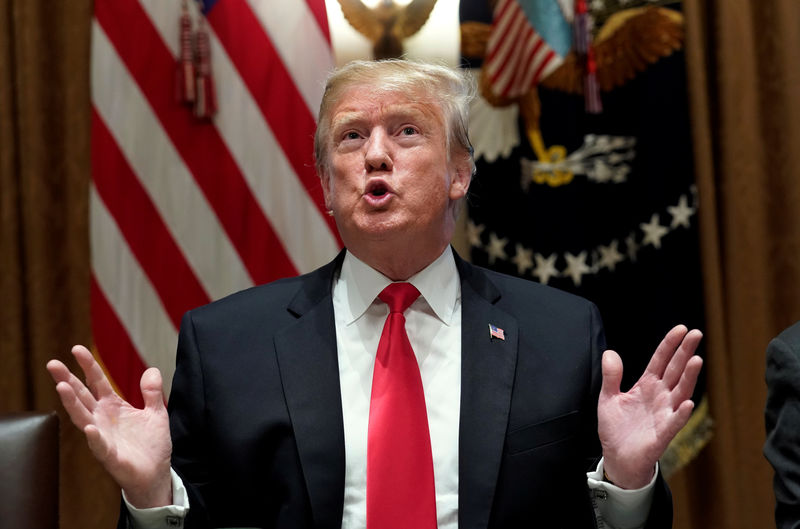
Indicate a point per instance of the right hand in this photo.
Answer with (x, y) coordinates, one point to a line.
(133, 445)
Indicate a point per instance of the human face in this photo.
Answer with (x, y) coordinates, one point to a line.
(389, 178)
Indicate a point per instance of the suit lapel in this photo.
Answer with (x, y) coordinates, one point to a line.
(308, 364)
(307, 360)
(487, 377)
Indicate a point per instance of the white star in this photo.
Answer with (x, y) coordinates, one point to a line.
(653, 231)
(474, 234)
(610, 256)
(576, 267)
(522, 259)
(632, 246)
(545, 267)
(496, 248)
(680, 213)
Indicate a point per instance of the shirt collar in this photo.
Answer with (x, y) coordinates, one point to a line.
(438, 284)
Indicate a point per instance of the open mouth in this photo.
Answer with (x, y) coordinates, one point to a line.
(377, 188)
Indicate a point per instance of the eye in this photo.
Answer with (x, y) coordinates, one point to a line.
(352, 135)
(409, 131)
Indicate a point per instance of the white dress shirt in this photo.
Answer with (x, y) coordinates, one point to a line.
(433, 325)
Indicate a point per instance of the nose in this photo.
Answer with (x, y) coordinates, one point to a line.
(378, 156)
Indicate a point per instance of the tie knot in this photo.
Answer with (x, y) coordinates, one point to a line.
(399, 296)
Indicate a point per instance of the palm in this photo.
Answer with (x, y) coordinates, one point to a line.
(138, 440)
(635, 427)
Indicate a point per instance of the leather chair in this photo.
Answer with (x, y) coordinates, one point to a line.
(29, 470)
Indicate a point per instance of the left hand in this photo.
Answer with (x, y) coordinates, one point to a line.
(636, 427)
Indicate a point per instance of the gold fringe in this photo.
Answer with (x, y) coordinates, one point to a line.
(689, 441)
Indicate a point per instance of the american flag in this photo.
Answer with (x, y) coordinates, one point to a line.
(529, 40)
(496, 332)
(185, 210)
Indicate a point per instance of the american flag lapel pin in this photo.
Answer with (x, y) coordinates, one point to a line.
(496, 332)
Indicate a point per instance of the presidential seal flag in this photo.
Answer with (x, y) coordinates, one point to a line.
(602, 204)
(203, 181)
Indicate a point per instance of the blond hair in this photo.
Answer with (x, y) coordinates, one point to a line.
(449, 88)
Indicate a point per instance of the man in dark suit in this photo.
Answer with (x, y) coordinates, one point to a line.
(272, 413)
(782, 417)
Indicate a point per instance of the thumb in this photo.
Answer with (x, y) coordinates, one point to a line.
(152, 392)
(612, 373)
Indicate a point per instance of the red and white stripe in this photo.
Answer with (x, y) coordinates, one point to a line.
(517, 57)
(186, 211)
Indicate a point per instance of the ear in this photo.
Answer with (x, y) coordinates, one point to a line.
(325, 182)
(461, 177)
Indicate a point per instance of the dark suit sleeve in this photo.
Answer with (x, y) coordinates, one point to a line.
(186, 417)
(660, 516)
(185, 412)
(782, 418)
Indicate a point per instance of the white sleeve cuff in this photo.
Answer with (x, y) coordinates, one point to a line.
(617, 508)
(167, 517)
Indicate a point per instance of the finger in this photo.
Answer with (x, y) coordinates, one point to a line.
(152, 392)
(96, 379)
(61, 373)
(665, 350)
(77, 411)
(678, 420)
(612, 373)
(58, 371)
(685, 351)
(688, 380)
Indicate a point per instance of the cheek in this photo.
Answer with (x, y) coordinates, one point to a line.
(342, 185)
(434, 196)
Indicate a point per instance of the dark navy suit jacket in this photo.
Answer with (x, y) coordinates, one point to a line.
(256, 410)
(782, 417)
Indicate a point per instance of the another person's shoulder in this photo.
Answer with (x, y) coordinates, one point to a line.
(788, 338)
(783, 359)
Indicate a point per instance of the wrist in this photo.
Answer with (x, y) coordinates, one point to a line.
(156, 494)
(626, 478)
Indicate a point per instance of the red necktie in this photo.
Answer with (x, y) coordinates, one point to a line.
(400, 488)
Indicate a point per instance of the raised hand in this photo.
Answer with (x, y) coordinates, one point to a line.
(133, 445)
(635, 427)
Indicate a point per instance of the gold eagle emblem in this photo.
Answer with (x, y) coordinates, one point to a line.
(387, 24)
(629, 41)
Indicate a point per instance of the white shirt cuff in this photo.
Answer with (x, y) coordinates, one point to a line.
(167, 517)
(617, 508)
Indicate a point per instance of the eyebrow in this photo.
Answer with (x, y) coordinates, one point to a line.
(347, 118)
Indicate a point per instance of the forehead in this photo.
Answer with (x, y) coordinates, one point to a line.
(366, 102)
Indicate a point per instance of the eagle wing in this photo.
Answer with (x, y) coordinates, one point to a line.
(629, 41)
(363, 19)
(413, 17)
